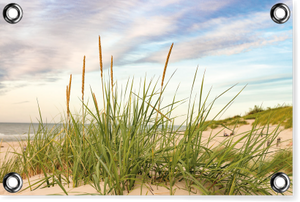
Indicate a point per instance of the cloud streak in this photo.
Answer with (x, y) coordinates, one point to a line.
(262, 80)
(222, 38)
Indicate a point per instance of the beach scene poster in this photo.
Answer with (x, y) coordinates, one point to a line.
(134, 97)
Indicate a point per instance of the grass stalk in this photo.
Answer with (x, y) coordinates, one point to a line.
(101, 71)
(161, 88)
(163, 77)
(112, 75)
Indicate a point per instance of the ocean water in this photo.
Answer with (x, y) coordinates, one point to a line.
(17, 131)
(20, 131)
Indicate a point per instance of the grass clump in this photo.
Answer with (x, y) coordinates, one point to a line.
(279, 115)
(132, 139)
(256, 109)
(233, 121)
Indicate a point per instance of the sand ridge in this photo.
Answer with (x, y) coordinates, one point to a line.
(286, 136)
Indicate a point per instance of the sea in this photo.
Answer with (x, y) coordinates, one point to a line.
(21, 131)
(18, 131)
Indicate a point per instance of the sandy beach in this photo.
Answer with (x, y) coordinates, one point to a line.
(286, 136)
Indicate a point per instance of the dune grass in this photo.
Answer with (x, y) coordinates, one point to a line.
(132, 139)
(278, 115)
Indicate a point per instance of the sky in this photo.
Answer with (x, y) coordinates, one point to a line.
(232, 41)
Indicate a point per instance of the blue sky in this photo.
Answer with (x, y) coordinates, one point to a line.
(234, 41)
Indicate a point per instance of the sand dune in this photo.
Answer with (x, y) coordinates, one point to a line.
(147, 189)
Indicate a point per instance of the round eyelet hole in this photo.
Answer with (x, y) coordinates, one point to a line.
(280, 13)
(12, 13)
(280, 182)
(12, 182)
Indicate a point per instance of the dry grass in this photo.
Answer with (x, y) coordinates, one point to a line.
(163, 78)
(68, 93)
(100, 57)
(101, 71)
(166, 65)
(82, 91)
(111, 74)
(67, 98)
(96, 103)
(83, 76)
(70, 84)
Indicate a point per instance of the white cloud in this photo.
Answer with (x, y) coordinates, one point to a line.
(224, 36)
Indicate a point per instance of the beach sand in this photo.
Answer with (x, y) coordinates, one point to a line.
(147, 189)
(285, 135)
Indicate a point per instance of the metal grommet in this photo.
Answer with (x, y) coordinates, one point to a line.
(280, 182)
(12, 182)
(12, 13)
(280, 13)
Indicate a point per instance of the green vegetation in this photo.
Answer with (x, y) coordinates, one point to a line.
(256, 109)
(133, 139)
(278, 115)
(233, 121)
(282, 159)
